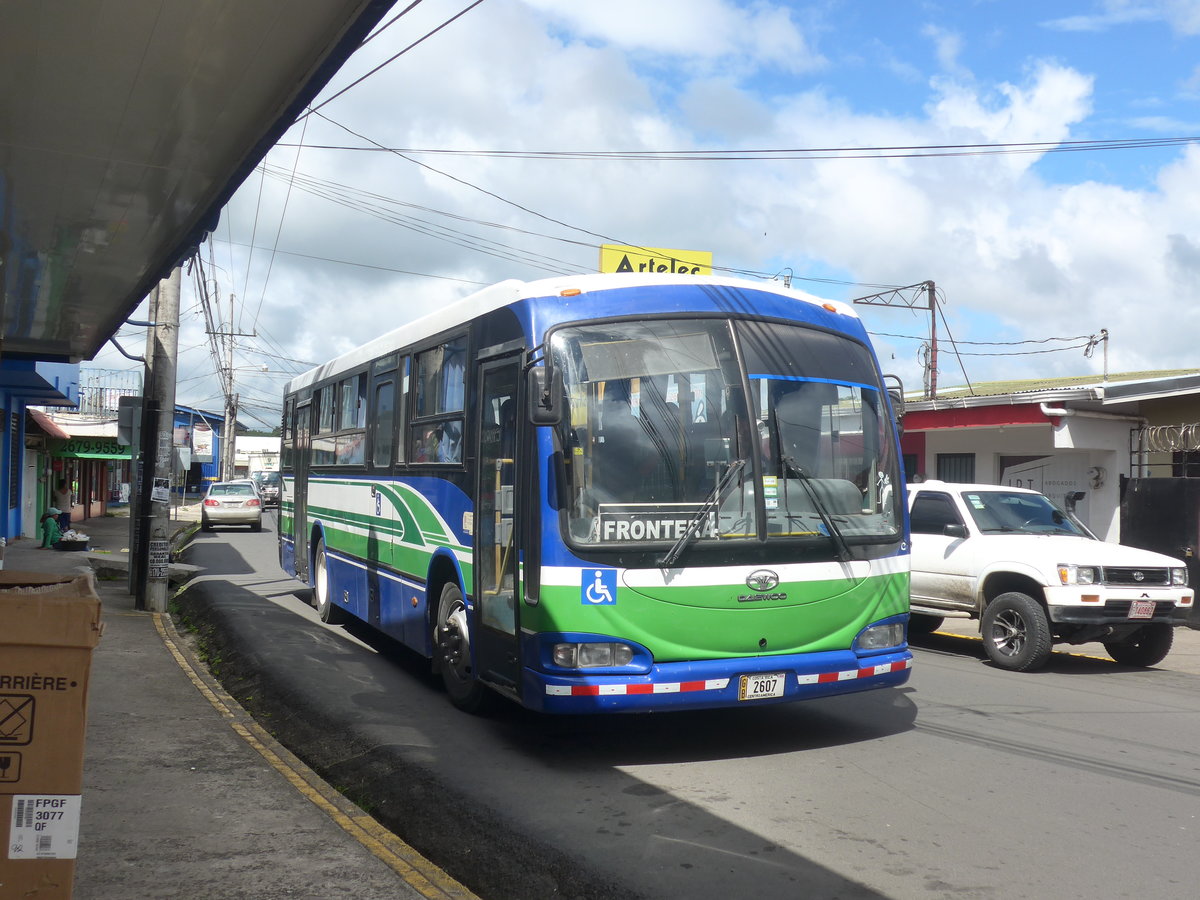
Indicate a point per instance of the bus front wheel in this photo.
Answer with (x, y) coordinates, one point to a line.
(452, 649)
(330, 612)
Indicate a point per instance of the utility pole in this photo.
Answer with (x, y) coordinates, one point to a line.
(901, 297)
(151, 552)
(228, 445)
(933, 370)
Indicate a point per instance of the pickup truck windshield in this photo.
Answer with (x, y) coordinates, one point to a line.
(659, 416)
(1005, 512)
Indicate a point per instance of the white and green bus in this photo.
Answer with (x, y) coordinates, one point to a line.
(610, 493)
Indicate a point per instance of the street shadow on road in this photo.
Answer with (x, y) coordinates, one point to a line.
(1065, 660)
(703, 735)
(375, 723)
(685, 736)
(221, 556)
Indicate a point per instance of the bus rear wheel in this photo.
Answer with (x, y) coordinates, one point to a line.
(452, 652)
(330, 613)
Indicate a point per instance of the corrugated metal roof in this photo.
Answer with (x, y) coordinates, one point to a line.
(48, 425)
(1043, 385)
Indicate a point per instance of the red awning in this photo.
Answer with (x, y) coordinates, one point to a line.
(976, 417)
(47, 425)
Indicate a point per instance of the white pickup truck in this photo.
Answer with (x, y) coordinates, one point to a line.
(1033, 577)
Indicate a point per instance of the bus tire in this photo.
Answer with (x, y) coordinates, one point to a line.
(1148, 646)
(330, 612)
(1016, 632)
(452, 651)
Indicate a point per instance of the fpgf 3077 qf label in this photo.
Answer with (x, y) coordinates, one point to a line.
(44, 826)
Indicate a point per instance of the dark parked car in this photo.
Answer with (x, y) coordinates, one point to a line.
(269, 485)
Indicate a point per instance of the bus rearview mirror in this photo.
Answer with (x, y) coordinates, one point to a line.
(544, 395)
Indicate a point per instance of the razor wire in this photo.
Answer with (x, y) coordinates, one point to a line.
(1172, 438)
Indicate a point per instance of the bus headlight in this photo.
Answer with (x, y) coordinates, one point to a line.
(1179, 577)
(592, 655)
(1069, 574)
(880, 637)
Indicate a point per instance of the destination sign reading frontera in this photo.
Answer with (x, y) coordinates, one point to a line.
(623, 522)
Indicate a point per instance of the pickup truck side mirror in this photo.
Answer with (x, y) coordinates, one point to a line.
(955, 531)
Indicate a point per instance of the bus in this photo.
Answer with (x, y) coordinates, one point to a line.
(610, 493)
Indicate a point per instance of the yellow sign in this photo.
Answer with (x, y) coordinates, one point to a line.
(618, 258)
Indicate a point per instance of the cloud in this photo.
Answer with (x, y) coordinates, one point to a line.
(758, 34)
(1016, 255)
(1182, 16)
(948, 46)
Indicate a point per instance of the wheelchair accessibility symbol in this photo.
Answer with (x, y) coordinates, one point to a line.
(599, 587)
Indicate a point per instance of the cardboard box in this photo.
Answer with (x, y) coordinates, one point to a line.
(50, 626)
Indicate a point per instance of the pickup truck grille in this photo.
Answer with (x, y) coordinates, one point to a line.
(1129, 576)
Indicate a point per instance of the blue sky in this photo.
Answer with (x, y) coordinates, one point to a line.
(1022, 248)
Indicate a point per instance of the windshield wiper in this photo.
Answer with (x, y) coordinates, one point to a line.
(835, 533)
(715, 496)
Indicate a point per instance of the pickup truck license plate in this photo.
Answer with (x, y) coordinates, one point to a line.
(760, 687)
(1141, 609)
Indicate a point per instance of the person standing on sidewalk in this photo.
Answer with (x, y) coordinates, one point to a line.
(62, 501)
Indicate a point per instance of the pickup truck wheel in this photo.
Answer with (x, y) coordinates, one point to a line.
(1016, 632)
(1148, 646)
(919, 623)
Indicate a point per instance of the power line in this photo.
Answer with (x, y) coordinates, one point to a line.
(368, 203)
(279, 230)
(749, 155)
(390, 59)
(346, 262)
(914, 337)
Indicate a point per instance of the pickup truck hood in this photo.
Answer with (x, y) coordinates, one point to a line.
(1053, 549)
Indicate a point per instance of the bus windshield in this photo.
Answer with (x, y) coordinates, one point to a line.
(663, 445)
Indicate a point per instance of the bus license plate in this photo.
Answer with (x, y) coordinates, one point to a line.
(760, 687)
(1141, 609)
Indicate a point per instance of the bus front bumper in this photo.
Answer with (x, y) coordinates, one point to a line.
(714, 683)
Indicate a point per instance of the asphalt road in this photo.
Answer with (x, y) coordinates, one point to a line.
(1081, 780)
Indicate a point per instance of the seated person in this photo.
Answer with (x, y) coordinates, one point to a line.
(51, 534)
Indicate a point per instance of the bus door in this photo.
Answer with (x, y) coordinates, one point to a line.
(381, 513)
(497, 572)
(300, 461)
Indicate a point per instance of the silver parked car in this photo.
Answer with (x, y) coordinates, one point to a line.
(231, 503)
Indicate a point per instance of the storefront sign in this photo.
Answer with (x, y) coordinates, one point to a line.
(620, 258)
(92, 448)
(202, 443)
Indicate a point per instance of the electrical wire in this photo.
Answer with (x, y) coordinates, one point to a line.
(390, 59)
(346, 262)
(279, 230)
(389, 23)
(749, 155)
(914, 337)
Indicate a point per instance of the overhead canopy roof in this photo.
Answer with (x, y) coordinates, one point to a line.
(124, 129)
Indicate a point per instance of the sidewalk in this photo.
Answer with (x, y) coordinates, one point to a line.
(184, 795)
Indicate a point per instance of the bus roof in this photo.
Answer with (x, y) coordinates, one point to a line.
(512, 290)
